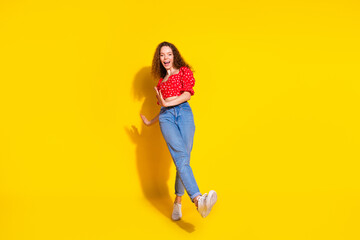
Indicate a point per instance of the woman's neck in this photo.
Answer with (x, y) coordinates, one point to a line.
(172, 71)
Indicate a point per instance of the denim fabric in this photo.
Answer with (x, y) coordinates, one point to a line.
(178, 128)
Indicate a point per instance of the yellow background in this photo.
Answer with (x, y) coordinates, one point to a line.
(276, 109)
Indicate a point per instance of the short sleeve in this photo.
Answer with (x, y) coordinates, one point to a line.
(187, 81)
(158, 85)
(158, 88)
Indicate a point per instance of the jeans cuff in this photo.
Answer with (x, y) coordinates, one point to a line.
(194, 196)
(179, 194)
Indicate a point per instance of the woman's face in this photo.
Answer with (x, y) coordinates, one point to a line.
(166, 57)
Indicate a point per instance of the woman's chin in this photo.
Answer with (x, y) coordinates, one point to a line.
(167, 67)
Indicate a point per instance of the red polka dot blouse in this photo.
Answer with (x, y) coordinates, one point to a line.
(177, 83)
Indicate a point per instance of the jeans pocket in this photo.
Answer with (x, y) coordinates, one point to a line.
(165, 115)
(185, 108)
(186, 113)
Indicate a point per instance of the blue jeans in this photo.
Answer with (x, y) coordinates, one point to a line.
(178, 128)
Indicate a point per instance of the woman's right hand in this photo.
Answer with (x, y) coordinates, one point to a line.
(146, 122)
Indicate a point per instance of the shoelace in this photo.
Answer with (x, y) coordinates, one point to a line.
(202, 199)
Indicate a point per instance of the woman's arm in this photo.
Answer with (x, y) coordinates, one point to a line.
(151, 122)
(185, 96)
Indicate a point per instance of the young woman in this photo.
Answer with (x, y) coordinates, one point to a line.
(174, 89)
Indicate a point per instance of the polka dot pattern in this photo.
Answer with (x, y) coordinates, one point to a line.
(177, 83)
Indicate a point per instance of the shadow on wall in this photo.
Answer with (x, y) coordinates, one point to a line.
(152, 156)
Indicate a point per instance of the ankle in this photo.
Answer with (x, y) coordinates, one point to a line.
(177, 200)
(196, 200)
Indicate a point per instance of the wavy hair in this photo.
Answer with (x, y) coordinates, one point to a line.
(158, 70)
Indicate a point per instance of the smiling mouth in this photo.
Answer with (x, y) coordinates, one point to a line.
(167, 62)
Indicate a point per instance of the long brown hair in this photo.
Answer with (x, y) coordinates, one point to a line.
(158, 70)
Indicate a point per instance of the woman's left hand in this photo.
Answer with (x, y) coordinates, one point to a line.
(160, 98)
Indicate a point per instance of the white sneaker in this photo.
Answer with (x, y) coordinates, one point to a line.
(206, 202)
(176, 214)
